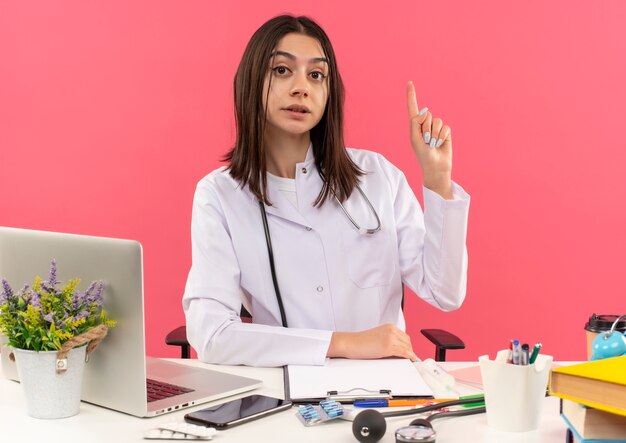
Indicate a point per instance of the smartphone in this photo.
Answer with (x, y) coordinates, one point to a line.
(236, 412)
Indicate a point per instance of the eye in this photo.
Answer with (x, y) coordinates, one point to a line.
(317, 75)
(280, 70)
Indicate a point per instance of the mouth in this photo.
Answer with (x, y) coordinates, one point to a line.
(298, 109)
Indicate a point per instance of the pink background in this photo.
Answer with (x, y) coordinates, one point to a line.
(111, 111)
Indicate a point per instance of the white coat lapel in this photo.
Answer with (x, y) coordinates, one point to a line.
(281, 207)
(308, 186)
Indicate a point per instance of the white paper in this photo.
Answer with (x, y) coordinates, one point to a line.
(399, 376)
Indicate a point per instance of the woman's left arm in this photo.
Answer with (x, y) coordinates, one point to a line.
(433, 255)
(432, 143)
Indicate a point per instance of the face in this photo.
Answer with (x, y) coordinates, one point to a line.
(298, 89)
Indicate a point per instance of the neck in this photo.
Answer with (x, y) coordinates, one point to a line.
(283, 153)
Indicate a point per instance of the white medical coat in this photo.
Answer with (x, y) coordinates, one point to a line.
(331, 278)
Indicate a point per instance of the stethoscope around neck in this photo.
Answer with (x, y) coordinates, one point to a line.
(268, 240)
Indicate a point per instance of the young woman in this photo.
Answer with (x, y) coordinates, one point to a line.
(315, 239)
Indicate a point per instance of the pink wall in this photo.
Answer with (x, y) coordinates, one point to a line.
(111, 111)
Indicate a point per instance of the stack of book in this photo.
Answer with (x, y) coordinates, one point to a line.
(593, 399)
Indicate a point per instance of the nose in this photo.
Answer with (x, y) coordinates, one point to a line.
(300, 87)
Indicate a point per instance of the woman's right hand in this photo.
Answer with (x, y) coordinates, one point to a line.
(379, 342)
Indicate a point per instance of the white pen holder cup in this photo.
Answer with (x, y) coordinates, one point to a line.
(514, 394)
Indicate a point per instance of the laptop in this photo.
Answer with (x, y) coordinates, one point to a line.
(118, 373)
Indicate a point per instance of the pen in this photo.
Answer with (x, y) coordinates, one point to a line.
(524, 355)
(383, 403)
(535, 353)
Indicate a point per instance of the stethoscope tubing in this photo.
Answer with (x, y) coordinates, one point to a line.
(268, 241)
(270, 252)
(365, 231)
(437, 406)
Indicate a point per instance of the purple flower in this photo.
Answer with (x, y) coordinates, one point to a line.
(78, 298)
(88, 293)
(35, 299)
(53, 273)
(50, 285)
(49, 317)
(93, 294)
(46, 287)
(97, 298)
(31, 297)
(6, 293)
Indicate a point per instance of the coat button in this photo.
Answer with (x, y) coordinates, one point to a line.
(320, 288)
(304, 170)
(308, 228)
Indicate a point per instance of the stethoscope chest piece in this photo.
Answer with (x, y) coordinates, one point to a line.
(415, 433)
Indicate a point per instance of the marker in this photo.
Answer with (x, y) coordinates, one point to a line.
(509, 357)
(516, 352)
(383, 403)
(524, 355)
(480, 400)
(535, 353)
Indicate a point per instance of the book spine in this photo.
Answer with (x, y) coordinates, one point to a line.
(591, 404)
(579, 439)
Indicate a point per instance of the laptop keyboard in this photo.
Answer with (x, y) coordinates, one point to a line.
(158, 390)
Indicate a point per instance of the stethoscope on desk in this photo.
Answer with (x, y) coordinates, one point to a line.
(370, 425)
(268, 240)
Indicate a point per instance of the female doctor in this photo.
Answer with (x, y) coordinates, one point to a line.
(315, 239)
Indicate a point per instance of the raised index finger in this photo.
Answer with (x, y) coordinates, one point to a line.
(411, 100)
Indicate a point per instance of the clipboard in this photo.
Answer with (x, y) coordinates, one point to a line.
(346, 380)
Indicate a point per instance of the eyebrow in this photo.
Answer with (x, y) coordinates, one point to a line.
(293, 57)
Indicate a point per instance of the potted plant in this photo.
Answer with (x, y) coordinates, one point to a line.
(51, 328)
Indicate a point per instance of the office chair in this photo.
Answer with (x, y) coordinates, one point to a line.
(443, 340)
(178, 336)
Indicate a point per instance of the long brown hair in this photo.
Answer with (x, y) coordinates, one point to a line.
(247, 158)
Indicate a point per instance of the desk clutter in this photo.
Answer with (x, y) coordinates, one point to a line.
(288, 427)
(366, 384)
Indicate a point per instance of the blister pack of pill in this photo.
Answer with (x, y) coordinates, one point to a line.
(310, 415)
(180, 431)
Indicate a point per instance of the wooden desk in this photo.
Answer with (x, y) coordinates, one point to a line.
(96, 424)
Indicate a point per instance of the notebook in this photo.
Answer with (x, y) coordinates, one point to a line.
(117, 372)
